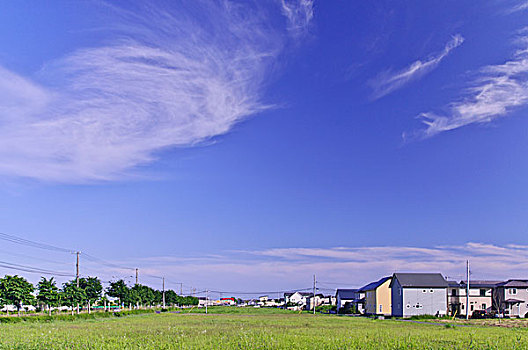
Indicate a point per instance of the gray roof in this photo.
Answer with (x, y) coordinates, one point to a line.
(512, 284)
(374, 285)
(418, 280)
(347, 293)
(480, 284)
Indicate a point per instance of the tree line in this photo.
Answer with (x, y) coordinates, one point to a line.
(87, 292)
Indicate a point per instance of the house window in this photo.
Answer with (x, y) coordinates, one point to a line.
(482, 292)
(462, 306)
(513, 291)
(483, 306)
(424, 291)
(408, 306)
(381, 308)
(472, 307)
(431, 291)
(453, 292)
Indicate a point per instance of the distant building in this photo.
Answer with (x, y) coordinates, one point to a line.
(350, 300)
(511, 298)
(418, 294)
(480, 296)
(378, 297)
(296, 300)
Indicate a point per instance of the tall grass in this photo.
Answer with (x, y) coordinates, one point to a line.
(253, 329)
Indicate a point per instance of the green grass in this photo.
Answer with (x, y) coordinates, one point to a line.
(232, 328)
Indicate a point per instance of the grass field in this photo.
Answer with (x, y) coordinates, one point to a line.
(254, 329)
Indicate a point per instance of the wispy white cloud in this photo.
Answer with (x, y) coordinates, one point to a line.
(497, 91)
(523, 5)
(299, 14)
(170, 78)
(388, 81)
(285, 268)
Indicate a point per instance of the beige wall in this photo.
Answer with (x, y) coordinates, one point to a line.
(379, 297)
(383, 298)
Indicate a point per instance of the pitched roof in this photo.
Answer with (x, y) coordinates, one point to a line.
(374, 285)
(347, 293)
(512, 284)
(418, 280)
(480, 284)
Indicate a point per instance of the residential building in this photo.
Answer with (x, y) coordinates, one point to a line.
(480, 296)
(418, 294)
(296, 299)
(350, 300)
(378, 297)
(511, 298)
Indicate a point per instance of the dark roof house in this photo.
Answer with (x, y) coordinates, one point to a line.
(374, 285)
(420, 280)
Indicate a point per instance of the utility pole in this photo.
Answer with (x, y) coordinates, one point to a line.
(467, 289)
(181, 288)
(77, 268)
(137, 275)
(206, 300)
(163, 292)
(313, 300)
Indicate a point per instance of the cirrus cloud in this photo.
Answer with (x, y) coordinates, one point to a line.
(168, 78)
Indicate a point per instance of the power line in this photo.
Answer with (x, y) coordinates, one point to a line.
(32, 269)
(27, 242)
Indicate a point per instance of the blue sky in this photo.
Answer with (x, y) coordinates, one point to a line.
(248, 145)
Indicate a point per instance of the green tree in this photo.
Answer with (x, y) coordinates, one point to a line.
(16, 290)
(171, 298)
(48, 293)
(72, 295)
(93, 288)
(145, 294)
(119, 290)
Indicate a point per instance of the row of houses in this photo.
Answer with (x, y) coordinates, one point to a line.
(410, 294)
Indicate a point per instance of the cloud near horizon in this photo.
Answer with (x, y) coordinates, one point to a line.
(340, 267)
(389, 81)
(167, 80)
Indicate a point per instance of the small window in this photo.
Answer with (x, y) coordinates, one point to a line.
(381, 308)
(472, 307)
(424, 291)
(431, 291)
(462, 306)
(483, 306)
(482, 292)
(408, 306)
(513, 291)
(453, 292)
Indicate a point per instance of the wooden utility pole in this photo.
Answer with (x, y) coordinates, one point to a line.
(467, 289)
(77, 268)
(163, 292)
(137, 275)
(313, 300)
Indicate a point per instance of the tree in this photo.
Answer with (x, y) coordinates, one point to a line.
(145, 295)
(171, 298)
(93, 288)
(72, 295)
(16, 290)
(119, 290)
(48, 293)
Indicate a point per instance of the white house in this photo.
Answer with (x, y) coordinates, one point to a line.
(418, 294)
(296, 300)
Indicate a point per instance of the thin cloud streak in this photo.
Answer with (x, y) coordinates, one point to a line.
(283, 268)
(389, 81)
(299, 14)
(496, 92)
(167, 80)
